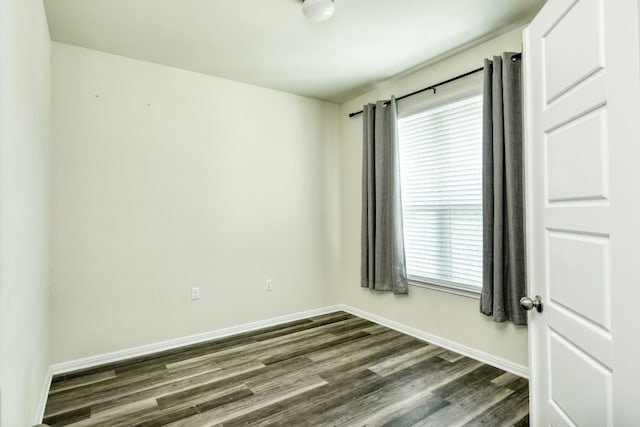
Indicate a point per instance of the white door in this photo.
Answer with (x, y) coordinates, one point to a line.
(582, 149)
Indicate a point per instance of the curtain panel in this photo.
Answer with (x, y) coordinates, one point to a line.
(383, 260)
(503, 196)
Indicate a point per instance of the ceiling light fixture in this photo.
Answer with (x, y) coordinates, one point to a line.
(318, 10)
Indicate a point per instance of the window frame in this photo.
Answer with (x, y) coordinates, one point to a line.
(455, 92)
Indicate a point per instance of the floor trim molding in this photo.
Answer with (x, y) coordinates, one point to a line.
(44, 394)
(88, 362)
(489, 359)
(115, 356)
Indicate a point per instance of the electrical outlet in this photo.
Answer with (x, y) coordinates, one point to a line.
(267, 286)
(195, 293)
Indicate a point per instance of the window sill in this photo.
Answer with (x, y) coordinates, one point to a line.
(449, 289)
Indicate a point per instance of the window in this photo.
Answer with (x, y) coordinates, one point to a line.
(441, 176)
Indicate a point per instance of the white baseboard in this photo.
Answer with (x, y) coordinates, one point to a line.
(489, 359)
(43, 398)
(88, 362)
(115, 356)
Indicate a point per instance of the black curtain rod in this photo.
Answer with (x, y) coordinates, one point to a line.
(433, 87)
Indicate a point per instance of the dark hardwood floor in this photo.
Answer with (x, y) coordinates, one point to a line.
(335, 369)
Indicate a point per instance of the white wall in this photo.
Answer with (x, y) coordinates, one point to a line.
(25, 125)
(164, 179)
(448, 316)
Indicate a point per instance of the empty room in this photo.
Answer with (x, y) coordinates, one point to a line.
(319, 212)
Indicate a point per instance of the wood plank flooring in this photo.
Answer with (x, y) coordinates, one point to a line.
(335, 370)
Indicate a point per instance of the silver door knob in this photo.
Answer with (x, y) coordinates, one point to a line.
(528, 303)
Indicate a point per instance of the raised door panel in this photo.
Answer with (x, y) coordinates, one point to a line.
(568, 173)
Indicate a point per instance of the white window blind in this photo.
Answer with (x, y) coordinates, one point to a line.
(441, 176)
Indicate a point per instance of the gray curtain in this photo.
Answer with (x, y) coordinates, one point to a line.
(503, 218)
(383, 261)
